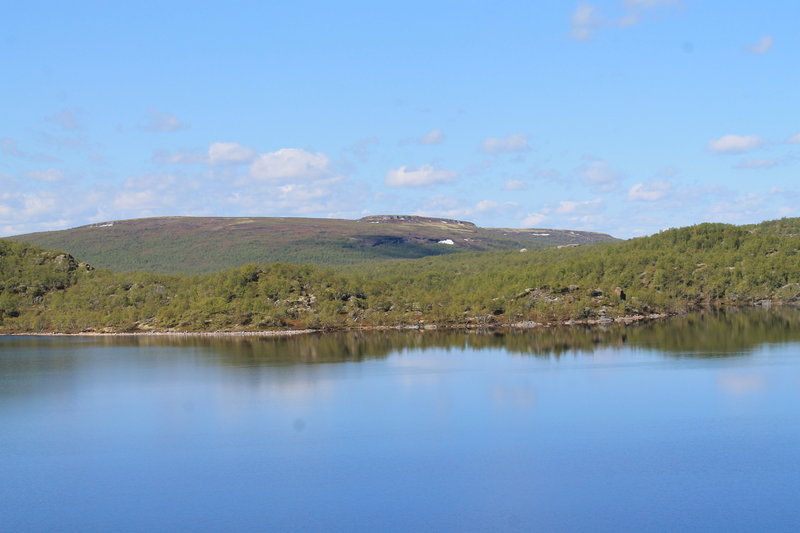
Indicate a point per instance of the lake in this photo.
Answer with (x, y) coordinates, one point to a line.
(687, 424)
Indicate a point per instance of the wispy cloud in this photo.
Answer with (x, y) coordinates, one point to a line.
(9, 147)
(434, 136)
(66, 118)
(229, 154)
(569, 207)
(423, 176)
(179, 157)
(332, 196)
(514, 143)
(490, 206)
(761, 47)
(651, 3)
(585, 20)
(444, 206)
(735, 144)
(756, 163)
(567, 213)
(42, 210)
(65, 141)
(291, 164)
(599, 175)
(161, 122)
(51, 175)
(649, 192)
(151, 194)
(515, 185)
(363, 149)
(739, 208)
(533, 220)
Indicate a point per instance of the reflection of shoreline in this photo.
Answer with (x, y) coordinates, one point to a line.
(627, 319)
(709, 334)
(267, 333)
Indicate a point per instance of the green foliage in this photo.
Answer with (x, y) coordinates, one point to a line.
(678, 269)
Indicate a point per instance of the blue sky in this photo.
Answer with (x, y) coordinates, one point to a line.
(620, 116)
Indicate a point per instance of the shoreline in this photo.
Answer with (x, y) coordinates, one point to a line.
(522, 325)
(266, 333)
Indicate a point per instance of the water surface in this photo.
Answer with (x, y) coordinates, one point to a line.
(689, 424)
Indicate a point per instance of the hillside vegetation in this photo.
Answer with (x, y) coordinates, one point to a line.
(676, 270)
(193, 245)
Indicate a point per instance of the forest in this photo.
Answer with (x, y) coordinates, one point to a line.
(677, 270)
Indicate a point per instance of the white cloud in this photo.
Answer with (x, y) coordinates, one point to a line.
(568, 207)
(423, 176)
(533, 220)
(649, 192)
(434, 136)
(50, 175)
(201, 193)
(735, 144)
(515, 185)
(229, 154)
(157, 121)
(291, 164)
(756, 163)
(516, 142)
(794, 139)
(762, 46)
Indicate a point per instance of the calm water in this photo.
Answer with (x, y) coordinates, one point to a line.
(687, 425)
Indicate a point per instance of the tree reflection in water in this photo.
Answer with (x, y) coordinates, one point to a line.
(710, 334)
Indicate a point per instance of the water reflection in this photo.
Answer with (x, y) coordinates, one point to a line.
(297, 433)
(710, 334)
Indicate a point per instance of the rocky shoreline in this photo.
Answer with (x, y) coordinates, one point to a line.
(528, 324)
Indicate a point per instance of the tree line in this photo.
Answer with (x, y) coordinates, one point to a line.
(707, 265)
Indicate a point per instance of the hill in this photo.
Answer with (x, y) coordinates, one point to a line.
(703, 266)
(192, 245)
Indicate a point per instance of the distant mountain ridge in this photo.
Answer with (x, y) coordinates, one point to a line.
(191, 245)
